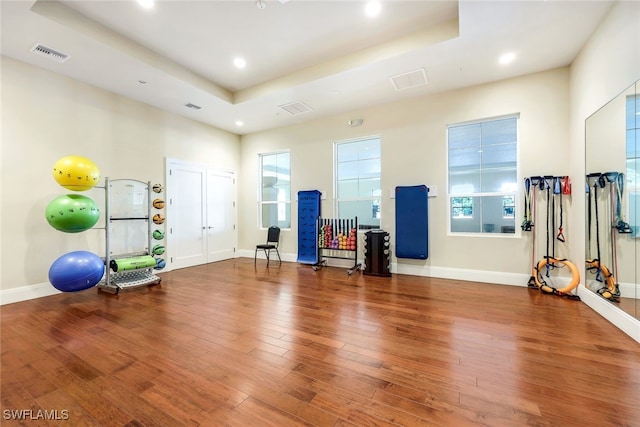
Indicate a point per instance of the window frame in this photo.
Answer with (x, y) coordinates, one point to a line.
(261, 202)
(336, 199)
(632, 195)
(514, 193)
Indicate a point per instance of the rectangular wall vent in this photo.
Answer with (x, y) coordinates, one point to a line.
(296, 107)
(408, 80)
(193, 106)
(47, 52)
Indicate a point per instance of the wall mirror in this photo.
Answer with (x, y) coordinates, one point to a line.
(612, 139)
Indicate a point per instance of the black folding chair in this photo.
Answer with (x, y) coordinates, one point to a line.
(273, 240)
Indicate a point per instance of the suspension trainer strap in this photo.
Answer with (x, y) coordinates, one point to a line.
(619, 186)
(592, 180)
(548, 188)
(560, 235)
(588, 219)
(595, 201)
(553, 220)
(621, 225)
(612, 178)
(526, 222)
(532, 280)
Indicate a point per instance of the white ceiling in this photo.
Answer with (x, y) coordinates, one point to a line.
(325, 54)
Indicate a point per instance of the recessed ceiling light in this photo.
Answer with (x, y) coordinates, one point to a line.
(240, 62)
(239, 123)
(372, 9)
(507, 58)
(147, 4)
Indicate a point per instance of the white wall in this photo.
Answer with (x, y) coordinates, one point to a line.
(46, 116)
(413, 134)
(607, 64)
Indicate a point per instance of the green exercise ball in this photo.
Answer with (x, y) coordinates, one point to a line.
(72, 213)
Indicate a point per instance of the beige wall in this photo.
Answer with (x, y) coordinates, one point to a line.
(45, 117)
(413, 134)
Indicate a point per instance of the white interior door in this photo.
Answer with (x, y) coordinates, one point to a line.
(186, 215)
(200, 215)
(221, 229)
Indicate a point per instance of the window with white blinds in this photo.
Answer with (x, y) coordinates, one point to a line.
(274, 202)
(482, 175)
(357, 181)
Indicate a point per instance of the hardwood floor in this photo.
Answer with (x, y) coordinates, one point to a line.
(225, 344)
(630, 306)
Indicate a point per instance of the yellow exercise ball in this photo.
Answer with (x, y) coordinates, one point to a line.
(76, 173)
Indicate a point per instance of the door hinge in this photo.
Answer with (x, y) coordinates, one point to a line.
(234, 226)
(234, 204)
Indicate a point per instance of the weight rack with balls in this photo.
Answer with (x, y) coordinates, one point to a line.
(337, 238)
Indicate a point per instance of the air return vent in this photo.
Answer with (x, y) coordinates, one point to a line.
(296, 107)
(408, 80)
(47, 52)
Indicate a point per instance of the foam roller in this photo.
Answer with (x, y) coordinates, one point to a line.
(134, 263)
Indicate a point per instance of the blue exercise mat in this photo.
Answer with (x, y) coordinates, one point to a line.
(412, 222)
(308, 214)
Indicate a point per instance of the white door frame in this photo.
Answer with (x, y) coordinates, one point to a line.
(172, 162)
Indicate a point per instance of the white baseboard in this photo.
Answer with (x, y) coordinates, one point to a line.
(629, 290)
(624, 321)
(9, 296)
(514, 279)
(495, 277)
(247, 253)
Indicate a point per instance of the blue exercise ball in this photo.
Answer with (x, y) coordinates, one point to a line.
(160, 264)
(76, 271)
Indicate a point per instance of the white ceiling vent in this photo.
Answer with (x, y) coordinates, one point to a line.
(296, 107)
(408, 80)
(54, 55)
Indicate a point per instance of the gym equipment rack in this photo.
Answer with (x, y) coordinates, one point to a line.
(337, 239)
(605, 189)
(553, 186)
(377, 253)
(113, 281)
